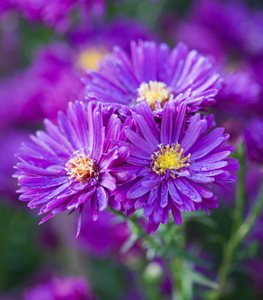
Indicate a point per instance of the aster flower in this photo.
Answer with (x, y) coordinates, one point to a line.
(9, 142)
(70, 165)
(253, 135)
(174, 168)
(104, 237)
(222, 28)
(237, 26)
(68, 288)
(156, 74)
(199, 37)
(56, 78)
(93, 45)
(54, 13)
(42, 89)
(53, 77)
(239, 95)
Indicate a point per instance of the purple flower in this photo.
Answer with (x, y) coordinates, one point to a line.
(71, 288)
(70, 164)
(104, 237)
(94, 44)
(239, 95)
(156, 74)
(9, 143)
(54, 13)
(254, 140)
(42, 89)
(240, 27)
(230, 25)
(199, 37)
(56, 78)
(120, 32)
(53, 77)
(173, 165)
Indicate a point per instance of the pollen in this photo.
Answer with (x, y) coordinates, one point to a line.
(81, 168)
(154, 92)
(169, 158)
(89, 59)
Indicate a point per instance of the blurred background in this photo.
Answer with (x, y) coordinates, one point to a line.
(45, 49)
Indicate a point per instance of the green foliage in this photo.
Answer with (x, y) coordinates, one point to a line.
(19, 252)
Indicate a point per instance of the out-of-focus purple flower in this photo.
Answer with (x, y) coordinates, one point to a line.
(53, 78)
(9, 143)
(240, 91)
(156, 74)
(226, 27)
(117, 33)
(54, 13)
(94, 44)
(69, 288)
(41, 90)
(172, 169)
(70, 165)
(199, 37)
(57, 78)
(230, 32)
(104, 237)
(238, 99)
(254, 140)
(256, 65)
(17, 97)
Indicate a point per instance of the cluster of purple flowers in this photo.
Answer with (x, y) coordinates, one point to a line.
(54, 13)
(137, 141)
(138, 133)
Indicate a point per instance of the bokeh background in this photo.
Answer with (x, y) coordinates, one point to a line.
(45, 49)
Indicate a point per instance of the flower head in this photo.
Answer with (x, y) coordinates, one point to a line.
(71, 288)
(229, 30)
(174, 164)
(70, 165)
(240, 93)
(156, 74)
(42, 89)
(89, 58)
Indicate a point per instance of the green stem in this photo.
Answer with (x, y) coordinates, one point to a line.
(240, 190)
(238, 236)
(178, 269)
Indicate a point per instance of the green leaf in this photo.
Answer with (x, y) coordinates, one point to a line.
(199, 278)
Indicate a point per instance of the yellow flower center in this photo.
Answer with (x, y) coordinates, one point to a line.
(81, 167)
(89, 59)
(169, 158)
(154, 92)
